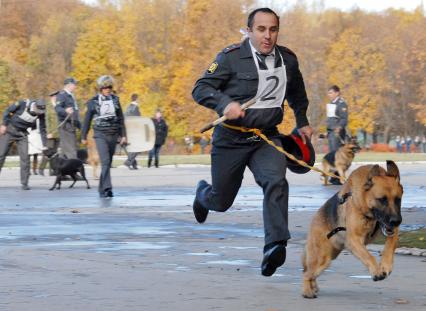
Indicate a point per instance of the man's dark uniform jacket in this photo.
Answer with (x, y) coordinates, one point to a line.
(64, 100)
(233, 77)
(12, 114)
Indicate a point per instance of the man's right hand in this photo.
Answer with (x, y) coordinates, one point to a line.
(84, 141)
(69, 110)
(3, 129)
(233, 111)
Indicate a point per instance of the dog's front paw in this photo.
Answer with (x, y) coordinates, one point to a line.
(385, 269)
(379, 276)
(309, 294)
(310, 289)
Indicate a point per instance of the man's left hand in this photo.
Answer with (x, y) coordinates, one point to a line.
(123, 141)
(306, 131)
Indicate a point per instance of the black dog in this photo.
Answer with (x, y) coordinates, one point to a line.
(63, 167)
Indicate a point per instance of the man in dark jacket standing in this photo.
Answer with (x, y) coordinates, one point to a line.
(17, 119)
(256, 68)
(105, 109)
(337, 119)
(161, 131)
(132, 110)
(68, 118)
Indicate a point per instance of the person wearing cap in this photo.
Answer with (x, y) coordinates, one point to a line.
(17, 119)
(106, 112)
(132, 110)
(256, 68)
(161, 131)
(68, 118)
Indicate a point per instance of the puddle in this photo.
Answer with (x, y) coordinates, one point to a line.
(360, 276)
(202, 254)
(238, 262)
(238, 247)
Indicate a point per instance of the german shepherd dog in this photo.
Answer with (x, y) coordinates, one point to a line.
(93, 158)
(368, 203)
(341, 159)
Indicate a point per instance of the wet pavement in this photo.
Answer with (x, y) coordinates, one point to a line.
(142, 250)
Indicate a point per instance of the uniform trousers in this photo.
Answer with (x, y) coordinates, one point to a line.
(21, 139)
(232, 151)
(105, 144)
(68, 141)
(334, 139)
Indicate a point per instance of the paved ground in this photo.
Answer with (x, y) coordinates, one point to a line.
(142, 250)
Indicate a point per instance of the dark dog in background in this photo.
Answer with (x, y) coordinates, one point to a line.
(67, 167)
(340, 160)
(368, 204)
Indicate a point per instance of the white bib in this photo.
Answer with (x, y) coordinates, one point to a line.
(331, 110)
(271, 86)
(26, 116)
(106, 108)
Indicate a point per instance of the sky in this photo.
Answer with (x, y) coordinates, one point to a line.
(367, 5)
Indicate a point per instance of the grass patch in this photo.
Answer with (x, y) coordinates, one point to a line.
(415, 238)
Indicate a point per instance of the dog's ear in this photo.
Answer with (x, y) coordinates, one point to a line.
(392, 169)
(374, 171)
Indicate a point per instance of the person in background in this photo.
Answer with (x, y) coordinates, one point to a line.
(204, 142)
(35, 146)
(424, 143)
(337, 119)
(161, 131)
(408, 142)
(398, 143)
(132, 110)
(17, 119)
(68, 118)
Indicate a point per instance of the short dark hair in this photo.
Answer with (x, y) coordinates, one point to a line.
(134, 97)
(334, 88)
(250, 19)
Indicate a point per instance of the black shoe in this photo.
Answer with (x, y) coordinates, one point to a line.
(200, 212)
(106, 194)
(273, 258)
(128, 165)
(25, 187)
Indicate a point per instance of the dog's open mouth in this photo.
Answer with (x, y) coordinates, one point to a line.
(387, 231)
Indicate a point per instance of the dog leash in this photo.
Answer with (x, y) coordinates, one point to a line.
(259, 133)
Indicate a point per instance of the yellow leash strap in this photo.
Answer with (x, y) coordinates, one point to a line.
(281, 149)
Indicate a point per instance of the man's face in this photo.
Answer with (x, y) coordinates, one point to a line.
(71, 87)
(332, 94)
(106, 91)
(264, 32)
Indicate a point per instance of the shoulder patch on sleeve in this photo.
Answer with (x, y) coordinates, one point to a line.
(231, 48)
(212, 67)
